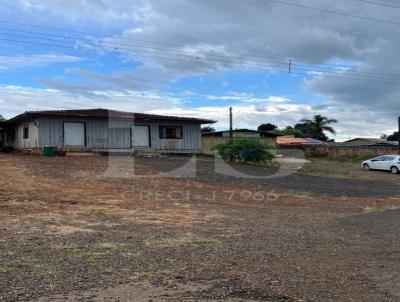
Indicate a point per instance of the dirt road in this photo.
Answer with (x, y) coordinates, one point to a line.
(79, 229)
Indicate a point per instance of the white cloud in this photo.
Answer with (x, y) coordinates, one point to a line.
(40, 60)
(246, 98)
(204, 37)
(17, 99)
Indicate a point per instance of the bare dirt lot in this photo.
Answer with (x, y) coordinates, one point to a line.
(110, 229)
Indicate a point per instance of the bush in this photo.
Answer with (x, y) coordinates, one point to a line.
(248, 150)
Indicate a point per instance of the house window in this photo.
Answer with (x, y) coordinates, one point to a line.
(26, 131)
(171, 132)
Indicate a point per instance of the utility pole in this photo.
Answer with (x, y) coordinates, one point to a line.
(230, 123)
(398, 134)
(290, 66)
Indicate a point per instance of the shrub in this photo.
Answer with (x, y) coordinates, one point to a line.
(249, 150)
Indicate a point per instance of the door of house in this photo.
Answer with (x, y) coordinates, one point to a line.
(74, 134)
(140, 136)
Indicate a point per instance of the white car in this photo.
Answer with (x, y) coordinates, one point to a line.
(386, 162)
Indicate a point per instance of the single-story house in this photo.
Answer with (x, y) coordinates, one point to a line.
(102, 129)
(241, 133)
(363, 141)
(211, 139)
(2, 134)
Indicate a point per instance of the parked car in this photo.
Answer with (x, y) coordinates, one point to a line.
(386, 162)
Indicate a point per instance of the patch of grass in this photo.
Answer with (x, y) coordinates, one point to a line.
(4, 268)
(44, 269)
(98, 213)
(38, 267)
(381, 209)
(91, 253)
(131, 255)
(187, 238)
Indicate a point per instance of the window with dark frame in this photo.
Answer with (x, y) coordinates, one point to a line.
(171, 132)
(26, 131)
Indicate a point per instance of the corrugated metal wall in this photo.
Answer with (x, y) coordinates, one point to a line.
(33, 141)
(104, 133)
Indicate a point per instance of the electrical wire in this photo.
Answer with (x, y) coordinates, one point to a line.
(162, 56)
(328, 11)
(204, 49)
(190, 55)
(379, 3)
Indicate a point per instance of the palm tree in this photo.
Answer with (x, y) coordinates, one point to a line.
(316, 127)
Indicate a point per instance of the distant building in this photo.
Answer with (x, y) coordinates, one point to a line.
(299, 141)
(362, 141)
(241, 133)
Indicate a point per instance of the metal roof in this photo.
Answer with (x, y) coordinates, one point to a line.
(263, 133)
(290, 140)
(105, 113)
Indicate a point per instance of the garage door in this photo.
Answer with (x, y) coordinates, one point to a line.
(140, 136)
(74, 134)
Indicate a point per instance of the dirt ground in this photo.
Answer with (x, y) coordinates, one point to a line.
(172, 229)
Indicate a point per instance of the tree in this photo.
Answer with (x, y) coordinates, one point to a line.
(316, 127)
(248, 150)
(2, 119)
(394, 137)
(207, 129)
(267, 127)
(289, 130)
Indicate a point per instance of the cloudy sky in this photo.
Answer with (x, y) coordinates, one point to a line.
(198, 57)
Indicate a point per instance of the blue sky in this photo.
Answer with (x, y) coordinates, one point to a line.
(197, 58)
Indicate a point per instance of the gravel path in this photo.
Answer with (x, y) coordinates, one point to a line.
(321, 185)
(69, 231)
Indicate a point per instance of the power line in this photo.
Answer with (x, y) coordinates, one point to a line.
(163, 56)
(134, 46)
(242, 60)
(328, 11)
(379, 3)
(119, 38)
(166, 56)
(181, 52)
(143, 41)
(389, 77)
(164, 51)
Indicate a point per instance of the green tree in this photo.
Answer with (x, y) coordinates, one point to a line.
(289, 130)
(394, 137)
(249, 150)
(207, 129)
(316, 127)
(267, 127)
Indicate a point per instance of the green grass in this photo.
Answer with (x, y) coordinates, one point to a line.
(91, 253)
(183, 239)
(4, 268)
(381, 209)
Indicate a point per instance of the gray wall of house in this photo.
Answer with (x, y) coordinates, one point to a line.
(116, 134)
(19, 142)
